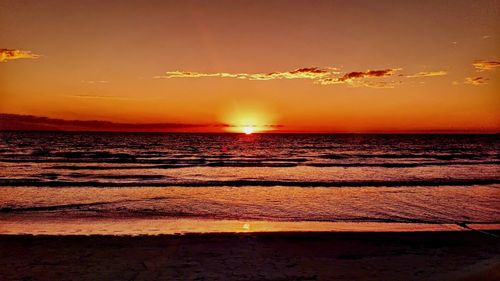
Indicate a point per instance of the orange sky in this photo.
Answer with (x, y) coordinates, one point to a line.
(312, 66)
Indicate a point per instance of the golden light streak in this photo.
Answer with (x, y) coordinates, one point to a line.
(476, 81)
(427, 74)
(11, 54)
(482, 65)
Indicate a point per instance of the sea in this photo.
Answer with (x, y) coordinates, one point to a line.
(164, 183)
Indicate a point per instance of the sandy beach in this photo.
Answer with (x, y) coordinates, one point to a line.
(454, 255)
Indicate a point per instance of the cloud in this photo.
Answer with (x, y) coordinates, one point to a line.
(312, 73)
(482, 65)
(381, 84)
(97, 97)
(369, 73)
(29, 122)
(11, 54)
(95, 81)
(358, 79)
(322, 76)
(427, 74)
(476, 81)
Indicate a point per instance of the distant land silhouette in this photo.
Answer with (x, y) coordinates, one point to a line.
(15, 122)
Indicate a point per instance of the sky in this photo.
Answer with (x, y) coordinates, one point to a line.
(282, 66)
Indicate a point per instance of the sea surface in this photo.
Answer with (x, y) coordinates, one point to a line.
(179, 180)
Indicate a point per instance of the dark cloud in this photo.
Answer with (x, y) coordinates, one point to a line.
(482, 65)
(31, 123)
(364, 74)
(310, 70)
(476, 81)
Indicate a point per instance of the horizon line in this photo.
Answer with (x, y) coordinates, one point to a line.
(276, 132)
(31, 123)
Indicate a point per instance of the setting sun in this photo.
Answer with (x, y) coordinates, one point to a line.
(248, 130)
(249, 117)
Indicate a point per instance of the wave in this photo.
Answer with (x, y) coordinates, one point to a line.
(74, 206)
(121, 167)
(204, 158)
(114, 211)
(401, 165)
(50, 208)
(118, 177)
(410, 156)
(256, 164)
(240, 183)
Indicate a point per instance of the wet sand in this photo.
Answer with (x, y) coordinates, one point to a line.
(454, 255)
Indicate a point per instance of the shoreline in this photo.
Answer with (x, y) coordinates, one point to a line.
(448, 255)
(46, 225)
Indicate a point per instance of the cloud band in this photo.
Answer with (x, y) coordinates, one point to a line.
(12, 54)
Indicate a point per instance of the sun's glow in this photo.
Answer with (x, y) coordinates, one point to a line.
(248, 130)
(248, 118)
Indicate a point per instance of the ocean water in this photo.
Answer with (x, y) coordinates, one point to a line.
(126, 177)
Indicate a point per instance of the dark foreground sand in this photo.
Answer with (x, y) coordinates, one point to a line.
(271, 256)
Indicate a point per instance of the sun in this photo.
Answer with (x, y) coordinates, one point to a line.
(248, 130)
(247, 118)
